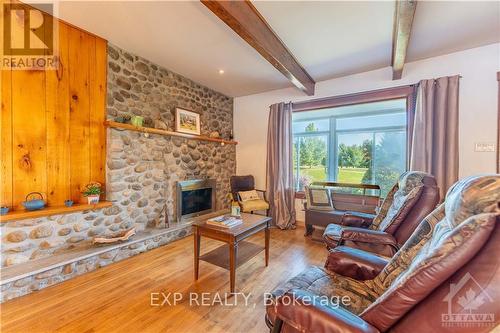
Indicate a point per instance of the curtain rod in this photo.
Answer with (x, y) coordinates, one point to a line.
(413, 85)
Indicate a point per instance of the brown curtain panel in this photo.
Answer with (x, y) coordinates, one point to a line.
(280, 191)
(434, 147)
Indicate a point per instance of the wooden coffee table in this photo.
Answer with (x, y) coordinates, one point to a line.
(238, 250)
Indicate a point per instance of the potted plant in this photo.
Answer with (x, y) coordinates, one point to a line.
(92, 192)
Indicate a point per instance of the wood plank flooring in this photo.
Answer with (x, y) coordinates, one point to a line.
(117, 298)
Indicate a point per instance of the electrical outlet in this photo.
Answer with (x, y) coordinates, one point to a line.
(484, 147)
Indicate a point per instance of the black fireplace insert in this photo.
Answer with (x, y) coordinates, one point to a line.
(195, 198)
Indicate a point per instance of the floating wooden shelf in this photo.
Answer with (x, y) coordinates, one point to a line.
(55, 210)
(114, 124)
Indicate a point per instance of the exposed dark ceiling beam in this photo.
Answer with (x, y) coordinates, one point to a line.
(403, 20)
(246, 21)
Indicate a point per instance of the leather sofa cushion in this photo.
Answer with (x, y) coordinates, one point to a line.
(469, 196)
(402, 198)
(357, 219)
(299, 310)
(403, 258)
(442, 256)
(483, 269)
(355, 263)
(464, 224)
(368, 236)
(335, 235)
(324, 283)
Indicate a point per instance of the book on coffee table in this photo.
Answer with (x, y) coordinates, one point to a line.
(225, 221)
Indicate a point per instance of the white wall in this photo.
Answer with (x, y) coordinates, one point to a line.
(478, 106)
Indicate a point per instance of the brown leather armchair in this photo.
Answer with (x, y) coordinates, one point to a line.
(247, 183)
(413, 197)
(443, 279)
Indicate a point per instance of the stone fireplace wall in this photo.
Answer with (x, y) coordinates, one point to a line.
(151, 166)
(141, 171)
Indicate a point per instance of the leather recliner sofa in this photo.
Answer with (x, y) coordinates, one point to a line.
(412, 198)
(445, 278)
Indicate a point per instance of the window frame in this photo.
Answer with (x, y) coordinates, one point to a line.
(407, 92)
(299, 135)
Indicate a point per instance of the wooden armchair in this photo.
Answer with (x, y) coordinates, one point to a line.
(247, 183)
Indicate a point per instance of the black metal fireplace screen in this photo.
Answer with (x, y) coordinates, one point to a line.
(195, 198)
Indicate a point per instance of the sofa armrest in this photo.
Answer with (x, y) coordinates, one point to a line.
(368, 236)
(357, 219)
(355, 263)
(306, 312)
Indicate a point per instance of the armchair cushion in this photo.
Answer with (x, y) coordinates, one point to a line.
(399, 201)
(248, 195)
(302, 311)
(253, 205)
(355, 263)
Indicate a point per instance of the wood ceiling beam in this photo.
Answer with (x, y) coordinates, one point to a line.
(246, 21)
(403, 20)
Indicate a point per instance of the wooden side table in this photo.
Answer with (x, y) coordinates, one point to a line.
(238, 250)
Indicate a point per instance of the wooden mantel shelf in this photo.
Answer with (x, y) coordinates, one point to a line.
(114, 124)
(47, 211)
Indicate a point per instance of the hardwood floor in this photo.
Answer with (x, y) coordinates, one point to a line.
(118, 297)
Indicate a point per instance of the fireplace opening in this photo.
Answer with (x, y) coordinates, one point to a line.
(195, 198)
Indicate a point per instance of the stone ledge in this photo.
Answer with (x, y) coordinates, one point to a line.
(34, 275)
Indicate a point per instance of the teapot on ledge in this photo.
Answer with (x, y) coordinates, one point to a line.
(34, 203)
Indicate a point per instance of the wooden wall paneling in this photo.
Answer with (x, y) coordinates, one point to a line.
(58, 126)
(52, 133)
(79, 67)
(6, 139)
(29, 143)
(29, 134)
(98, 78)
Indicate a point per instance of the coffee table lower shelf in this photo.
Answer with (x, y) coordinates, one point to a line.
(220, 256)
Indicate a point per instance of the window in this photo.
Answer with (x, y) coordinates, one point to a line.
(359, 143)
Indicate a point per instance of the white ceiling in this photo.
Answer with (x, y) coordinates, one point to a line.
(330, 39)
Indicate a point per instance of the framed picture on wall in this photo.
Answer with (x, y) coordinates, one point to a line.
(187, 121)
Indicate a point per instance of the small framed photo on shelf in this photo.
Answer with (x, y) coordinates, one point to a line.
(187, 121)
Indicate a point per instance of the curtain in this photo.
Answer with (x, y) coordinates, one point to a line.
(434, 147)
(411, 102)
(279, 167)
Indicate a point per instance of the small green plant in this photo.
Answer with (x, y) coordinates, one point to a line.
(92, 189)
